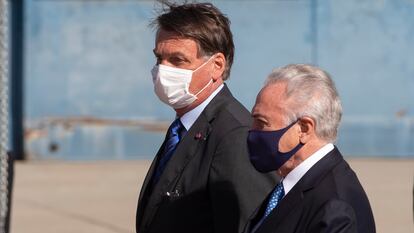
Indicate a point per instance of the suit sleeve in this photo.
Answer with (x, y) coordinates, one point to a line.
(236, 189)
(336, 216)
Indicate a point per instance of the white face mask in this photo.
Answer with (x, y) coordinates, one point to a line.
(172, 85)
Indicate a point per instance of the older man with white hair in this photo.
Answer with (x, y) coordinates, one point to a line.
(296, 118)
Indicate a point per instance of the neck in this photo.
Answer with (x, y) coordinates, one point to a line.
(201, 97)
(305, 152)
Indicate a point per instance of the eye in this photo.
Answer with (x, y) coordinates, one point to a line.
(259, 124)
(177, 61)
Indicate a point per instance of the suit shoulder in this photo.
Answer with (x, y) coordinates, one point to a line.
(341, 181)
(234, 114)
(344, 185)
(346, 181)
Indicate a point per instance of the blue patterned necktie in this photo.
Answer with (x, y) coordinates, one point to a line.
(275, 198)
(174, 135)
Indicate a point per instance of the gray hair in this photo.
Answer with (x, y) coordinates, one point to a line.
(310, 92)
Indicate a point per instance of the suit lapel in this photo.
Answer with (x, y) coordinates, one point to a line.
(192, 142)
(288, 203)
(294, 199)
(319, 170)
(185, 151)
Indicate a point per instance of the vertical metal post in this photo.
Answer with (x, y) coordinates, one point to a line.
(5, 167)
(17, 68)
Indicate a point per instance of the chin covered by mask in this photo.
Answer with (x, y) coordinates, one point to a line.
(264, 149)
(171, 85)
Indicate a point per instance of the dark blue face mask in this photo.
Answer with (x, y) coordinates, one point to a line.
(264, 149)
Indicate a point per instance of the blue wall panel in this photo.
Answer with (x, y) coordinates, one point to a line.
(367, 46)
(92, 59)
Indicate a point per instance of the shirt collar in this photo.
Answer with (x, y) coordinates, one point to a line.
(191, 116)
(296, 174)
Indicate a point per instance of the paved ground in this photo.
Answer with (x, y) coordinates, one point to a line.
(92, 197)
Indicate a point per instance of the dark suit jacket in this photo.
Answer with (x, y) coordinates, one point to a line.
(209, 184)
(328, 198)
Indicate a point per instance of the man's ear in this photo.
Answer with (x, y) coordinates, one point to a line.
(307, 129)
(219, 62)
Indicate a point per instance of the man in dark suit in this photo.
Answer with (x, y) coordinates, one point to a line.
(296, 117)
(201, 179)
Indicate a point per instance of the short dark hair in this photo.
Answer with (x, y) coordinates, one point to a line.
(202, 22)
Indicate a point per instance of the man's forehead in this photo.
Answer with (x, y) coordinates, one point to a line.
(270, 97)
(173, 37)
(162, 35)
(273, 92)
(172, 45)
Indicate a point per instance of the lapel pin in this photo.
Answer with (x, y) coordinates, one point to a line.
(198, 136)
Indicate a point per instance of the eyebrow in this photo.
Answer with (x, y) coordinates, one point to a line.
(170, 54)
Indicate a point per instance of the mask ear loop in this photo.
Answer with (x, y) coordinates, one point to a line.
(211, 79)
(284, 130)
(208, 84)
(203, 64)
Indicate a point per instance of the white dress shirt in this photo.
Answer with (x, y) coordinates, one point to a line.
(191, 116)
(296, 174)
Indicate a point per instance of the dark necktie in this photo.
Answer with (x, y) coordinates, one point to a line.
(174, 135)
